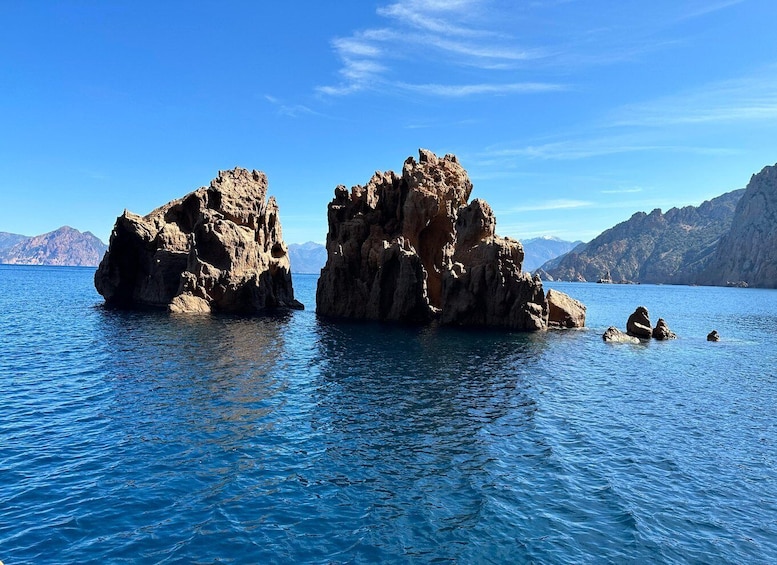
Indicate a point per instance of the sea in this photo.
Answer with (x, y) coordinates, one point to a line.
(146, 437)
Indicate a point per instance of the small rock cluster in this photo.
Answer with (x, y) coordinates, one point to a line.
(638, 327)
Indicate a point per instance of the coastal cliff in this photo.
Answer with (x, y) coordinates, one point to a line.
(218, 248)
(747, 254)
(408, 247)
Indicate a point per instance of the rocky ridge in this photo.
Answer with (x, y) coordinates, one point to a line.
(65, 246)
(748, 252)
(672, 248)
(218, 248)
(409, 247)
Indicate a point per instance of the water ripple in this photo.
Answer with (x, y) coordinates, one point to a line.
(130, 437)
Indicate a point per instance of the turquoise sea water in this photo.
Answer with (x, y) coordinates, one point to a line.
(151, 438)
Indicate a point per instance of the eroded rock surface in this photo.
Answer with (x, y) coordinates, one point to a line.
(409, 248)
(219, 248)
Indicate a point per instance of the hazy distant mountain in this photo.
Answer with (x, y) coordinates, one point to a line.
(65, 246)
(307, 257)
(539, 250)
(748, 252)
(8, 240)
(652, 248)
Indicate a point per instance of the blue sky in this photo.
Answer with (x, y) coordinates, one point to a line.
(569, 115)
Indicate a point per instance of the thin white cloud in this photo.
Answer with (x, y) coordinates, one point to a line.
(557, 204)
(290, 110)
(708, 7)
(748, 99)
(596, 147)
(445, 31)
(462, 90)
(621, 191)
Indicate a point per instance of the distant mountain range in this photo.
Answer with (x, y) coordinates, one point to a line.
(307, 258)
(65, 246)
(651, 248)
(539, 250)
(310, 257)
(729, 240)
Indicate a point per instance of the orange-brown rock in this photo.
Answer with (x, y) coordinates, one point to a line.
(219, 248)
(409, 248)
(564, 311)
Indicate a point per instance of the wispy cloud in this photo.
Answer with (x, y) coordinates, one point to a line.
(445, 31)
(748, 99)
(290, 110)
(460, 90)
(708, 7)
(596, 147)
(621, 191)
(557, 204)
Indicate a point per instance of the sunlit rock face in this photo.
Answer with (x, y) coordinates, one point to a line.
(410, 248)
(747, 254)
(219, 248)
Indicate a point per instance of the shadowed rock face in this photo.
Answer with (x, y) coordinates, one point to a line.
(218, 248)
(409, 248)
(638, 324)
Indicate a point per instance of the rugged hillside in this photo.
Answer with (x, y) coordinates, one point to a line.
(652, 248)
(539, 250)
(65, 246)
(748, 252)
(8, 240)
(307, 258)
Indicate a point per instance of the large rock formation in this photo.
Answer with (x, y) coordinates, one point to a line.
(748, 252)
(673, 247)
(409, 248)
(218, 248)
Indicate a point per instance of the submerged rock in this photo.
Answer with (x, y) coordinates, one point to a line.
(409, 248)
(638, 324)
(614, 335)
(713, 336)
(564, 311)
(662, 331)
(218, 248)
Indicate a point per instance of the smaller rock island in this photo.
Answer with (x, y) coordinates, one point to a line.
(410, 248)
(219, 248)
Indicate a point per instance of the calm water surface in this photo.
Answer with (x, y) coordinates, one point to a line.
(152, 438)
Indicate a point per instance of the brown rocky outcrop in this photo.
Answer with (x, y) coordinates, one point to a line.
(638, 324)
(564, 311)
(614, 335)
(662, 331)
(409, 248)
(219, 248)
